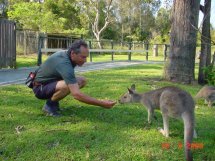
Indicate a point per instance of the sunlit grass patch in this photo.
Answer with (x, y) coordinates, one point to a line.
(28, 60)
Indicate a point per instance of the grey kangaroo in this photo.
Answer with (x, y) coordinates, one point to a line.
(173, 102)
(208, 93)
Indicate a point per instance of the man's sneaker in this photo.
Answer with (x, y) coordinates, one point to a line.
(50, 111)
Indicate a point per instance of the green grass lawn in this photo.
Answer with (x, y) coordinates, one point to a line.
(31, 60)
(117, 57)
(28, 60)
(92, 133)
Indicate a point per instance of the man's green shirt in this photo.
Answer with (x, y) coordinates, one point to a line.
(57, 67)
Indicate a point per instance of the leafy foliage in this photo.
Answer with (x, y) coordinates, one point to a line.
(50, 16)
(136, 18)
(30, 18)
(162, 26)
(210, 74)
(129, 19)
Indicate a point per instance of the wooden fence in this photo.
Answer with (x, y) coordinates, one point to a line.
(26, 42)
(54, 42)
(7, 44)
(109, 47)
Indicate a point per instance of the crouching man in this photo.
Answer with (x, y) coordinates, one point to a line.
(56, 79)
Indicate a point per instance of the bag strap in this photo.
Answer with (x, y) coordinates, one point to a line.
(37, 70)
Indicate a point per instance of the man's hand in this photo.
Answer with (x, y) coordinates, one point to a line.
(108, 104)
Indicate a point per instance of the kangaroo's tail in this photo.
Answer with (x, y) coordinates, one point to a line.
(188, 119)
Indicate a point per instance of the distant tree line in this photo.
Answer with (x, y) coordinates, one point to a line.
(122, 20)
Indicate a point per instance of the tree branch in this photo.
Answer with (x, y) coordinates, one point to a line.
(107, 21)
(197, 29)
(104, 27)
(93, 4)
(202, 8)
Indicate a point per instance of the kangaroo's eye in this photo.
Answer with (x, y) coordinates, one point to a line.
(125, 96)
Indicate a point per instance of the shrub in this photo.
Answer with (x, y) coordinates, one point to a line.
(210, 74)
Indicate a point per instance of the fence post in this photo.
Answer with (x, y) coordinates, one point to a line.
(67, 42)
(14, 46)
(112, 49)
(90, 46)
(39, 58)
(147, 52)
(155, 50)
(129, 47)
(165, 51)
(25, 42)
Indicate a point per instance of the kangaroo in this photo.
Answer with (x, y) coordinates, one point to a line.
(208, 93)
(173, 102)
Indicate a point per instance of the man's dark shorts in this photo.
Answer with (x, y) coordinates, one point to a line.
(45, 91)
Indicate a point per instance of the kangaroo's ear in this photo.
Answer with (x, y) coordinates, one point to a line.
(133, 86)
(130, 91)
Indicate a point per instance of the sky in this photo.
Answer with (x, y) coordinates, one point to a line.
(201, 15)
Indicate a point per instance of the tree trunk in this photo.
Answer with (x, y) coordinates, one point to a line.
(122, 31)
(205, 56)
(213, 61)
(155, 50)
(98, 41)
(181, 60)
(97, 30)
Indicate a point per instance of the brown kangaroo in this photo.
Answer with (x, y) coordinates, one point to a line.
(208, 93)
(173, 102)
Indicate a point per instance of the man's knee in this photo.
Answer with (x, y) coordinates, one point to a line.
(82, 81)
(62, 86)
(61, 91)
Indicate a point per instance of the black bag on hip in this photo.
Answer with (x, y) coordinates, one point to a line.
(30, 79)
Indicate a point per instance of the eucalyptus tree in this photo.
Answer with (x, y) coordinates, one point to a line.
(99, 16)
(181, 59)
(136, 17)
(205, 56)
(67, 10)
(162, 24)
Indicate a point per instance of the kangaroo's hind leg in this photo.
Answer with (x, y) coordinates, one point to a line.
(210, 103)
(150, 115)
(165, 130)
(211, 100)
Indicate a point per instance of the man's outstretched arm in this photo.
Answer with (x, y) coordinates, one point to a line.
(78, 95)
